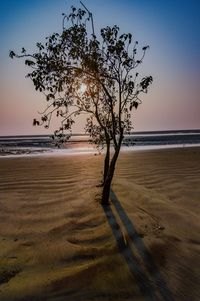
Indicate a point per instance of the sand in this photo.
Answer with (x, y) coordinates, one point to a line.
(57, 243)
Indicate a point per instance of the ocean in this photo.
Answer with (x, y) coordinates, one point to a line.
(37, 144)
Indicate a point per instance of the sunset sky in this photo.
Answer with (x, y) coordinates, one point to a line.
(171, 28)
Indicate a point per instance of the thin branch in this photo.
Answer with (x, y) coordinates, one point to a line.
(90, 16)
(41, 113)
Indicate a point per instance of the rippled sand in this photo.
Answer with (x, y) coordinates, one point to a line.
(56, 242)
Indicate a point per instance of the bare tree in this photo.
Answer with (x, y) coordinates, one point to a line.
(79, 73)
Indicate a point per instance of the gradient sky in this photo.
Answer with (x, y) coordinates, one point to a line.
(171, 28)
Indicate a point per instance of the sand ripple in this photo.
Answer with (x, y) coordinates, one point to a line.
(55, 240)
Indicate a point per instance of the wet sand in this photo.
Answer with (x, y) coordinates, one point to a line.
(58, 243)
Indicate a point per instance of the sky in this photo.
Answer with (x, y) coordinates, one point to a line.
(171, 28)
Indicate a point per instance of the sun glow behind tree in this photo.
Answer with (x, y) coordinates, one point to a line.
(83, 88)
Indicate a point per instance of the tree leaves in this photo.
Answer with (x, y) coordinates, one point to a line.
(50, 96)
(29, 63)
(12, 54)
(145, 48)
(35, 122)
(134, 104)
(145, 82)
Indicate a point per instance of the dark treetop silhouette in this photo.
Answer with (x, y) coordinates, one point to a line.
(80, 73)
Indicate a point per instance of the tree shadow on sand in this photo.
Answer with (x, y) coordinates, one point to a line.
(151, 284)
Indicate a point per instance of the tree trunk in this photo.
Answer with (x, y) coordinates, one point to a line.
(110, 173)
(106, 161)
(109, 177)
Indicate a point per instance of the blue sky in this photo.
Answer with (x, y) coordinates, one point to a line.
(171, 28)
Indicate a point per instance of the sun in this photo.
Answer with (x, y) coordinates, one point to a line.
(83, 88)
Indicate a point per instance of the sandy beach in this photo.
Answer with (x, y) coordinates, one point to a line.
(57, 243)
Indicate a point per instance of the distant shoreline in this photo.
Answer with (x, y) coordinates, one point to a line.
(14, 152)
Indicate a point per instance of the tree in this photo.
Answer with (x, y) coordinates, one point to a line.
(80, 73)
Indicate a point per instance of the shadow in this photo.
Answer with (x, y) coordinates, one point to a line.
(133, 263)
(148, 287)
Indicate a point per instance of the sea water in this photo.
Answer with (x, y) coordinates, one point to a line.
(79, 143)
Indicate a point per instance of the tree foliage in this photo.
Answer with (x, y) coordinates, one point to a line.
(106, 66)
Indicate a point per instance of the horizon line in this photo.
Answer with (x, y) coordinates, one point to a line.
(84, 134)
